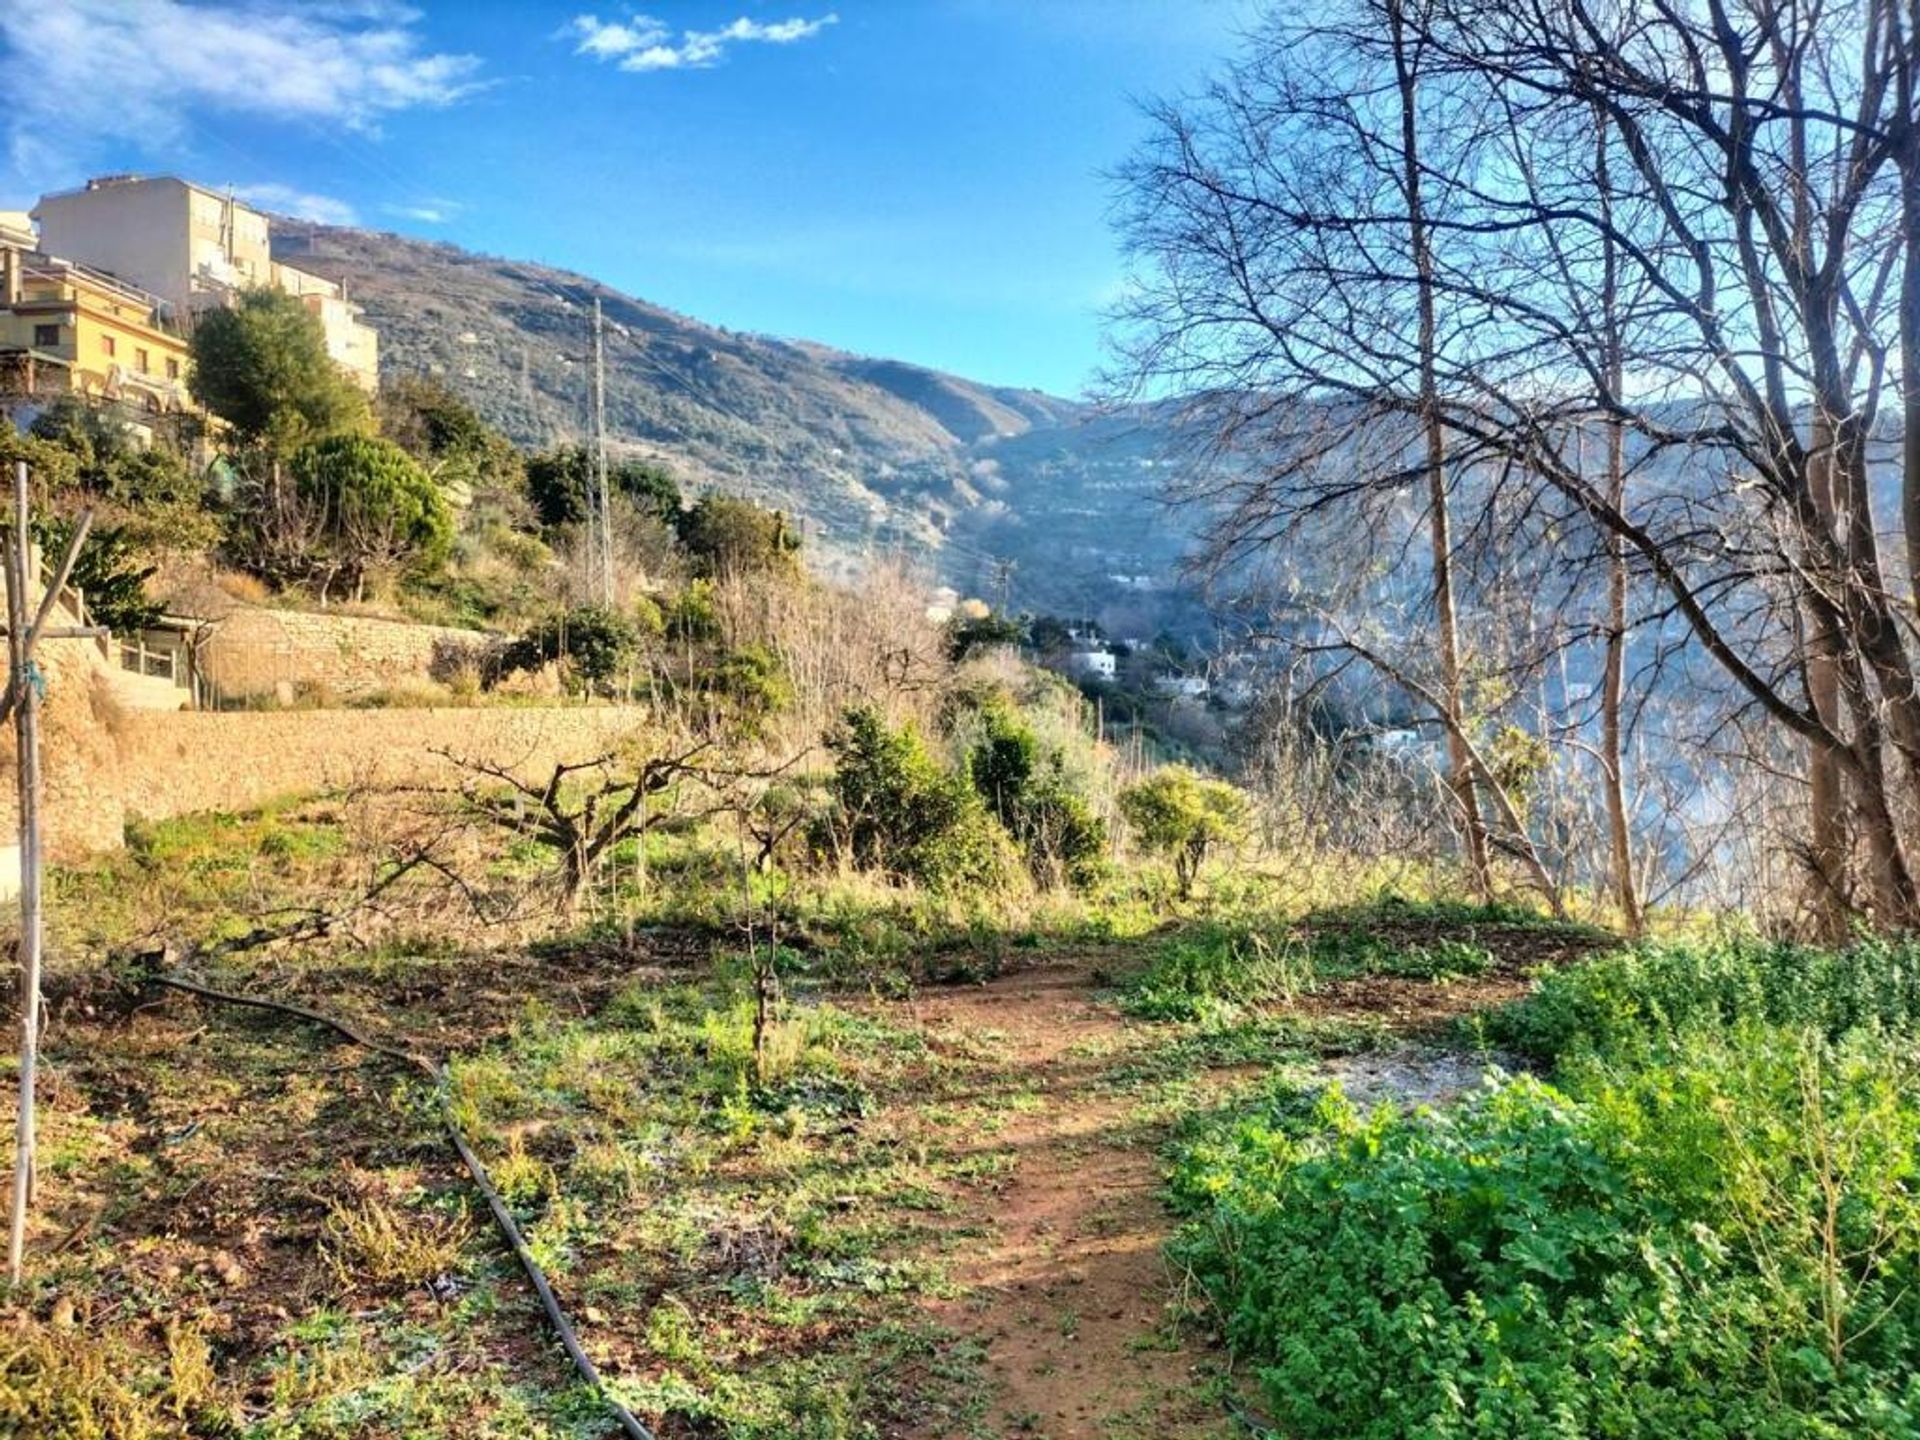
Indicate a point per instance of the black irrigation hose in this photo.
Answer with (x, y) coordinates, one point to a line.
(556, 1317)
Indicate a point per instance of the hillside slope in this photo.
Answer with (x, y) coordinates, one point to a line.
(875, 455)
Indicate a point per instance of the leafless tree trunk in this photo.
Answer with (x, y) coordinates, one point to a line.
(1613, 754)
(1904, 39)
(1433, 437)
(1826, 793)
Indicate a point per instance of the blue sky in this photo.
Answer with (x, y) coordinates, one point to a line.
(911, 178)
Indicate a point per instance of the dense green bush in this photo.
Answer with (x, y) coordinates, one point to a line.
(558, 483)
(110, 572)
(748, 685)
(895, 808)
(692, 617)
(596, 644)
(1650, 1252)
(1029, 791)
(438, 427)
(725, 536)
(1656, 992)
(967, 634)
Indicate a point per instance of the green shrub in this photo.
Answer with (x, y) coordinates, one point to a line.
(559, 481)
(596, 643)
(724, 535)
(1033, 797)
(693, 616)
(896, 809)
(1727, 1245)
(752, 681)
(1180, 813)
(110, 571)
(969, 633)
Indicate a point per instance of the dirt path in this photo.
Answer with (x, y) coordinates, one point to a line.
(1065, 1285)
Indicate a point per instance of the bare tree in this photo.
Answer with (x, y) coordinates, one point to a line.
(582, 809)
(1446, 624)
(1679, 223)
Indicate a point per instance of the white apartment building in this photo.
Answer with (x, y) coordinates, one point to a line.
(194, 247)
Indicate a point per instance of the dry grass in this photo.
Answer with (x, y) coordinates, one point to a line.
(59, 1383)
(375, 1242)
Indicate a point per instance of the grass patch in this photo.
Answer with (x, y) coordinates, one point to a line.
(1218, 969)
(762, 1230)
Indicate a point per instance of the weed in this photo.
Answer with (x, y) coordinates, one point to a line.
(66, 1384)
(376, 1242)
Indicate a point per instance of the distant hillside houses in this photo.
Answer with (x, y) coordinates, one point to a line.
(100, 285)
(1089, 661)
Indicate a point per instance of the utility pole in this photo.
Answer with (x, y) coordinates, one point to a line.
(1003, 582)
(600, 517)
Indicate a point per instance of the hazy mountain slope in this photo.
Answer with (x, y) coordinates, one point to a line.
(873, 454)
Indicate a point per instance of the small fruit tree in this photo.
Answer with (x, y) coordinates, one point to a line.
(1180, 813)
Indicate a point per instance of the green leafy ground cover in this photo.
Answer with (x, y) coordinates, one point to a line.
(1704, 1223)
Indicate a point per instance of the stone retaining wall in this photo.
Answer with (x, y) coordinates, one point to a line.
(103, 764)
(256, 651)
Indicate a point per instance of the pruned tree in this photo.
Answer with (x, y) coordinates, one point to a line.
(580, 810)
(1184, 815)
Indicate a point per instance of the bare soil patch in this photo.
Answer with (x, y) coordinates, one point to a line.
(1066, 1287)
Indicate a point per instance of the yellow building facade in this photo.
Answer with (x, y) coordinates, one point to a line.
(65, 329)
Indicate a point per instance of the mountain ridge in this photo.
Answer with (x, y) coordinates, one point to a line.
(874, 455)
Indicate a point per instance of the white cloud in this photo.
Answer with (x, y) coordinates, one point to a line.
(609, 40)
(302, 204)
(643, 43)
(427, 212)
(82, 73)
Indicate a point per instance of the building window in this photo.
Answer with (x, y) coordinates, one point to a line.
(141, 361)
(107, 346)
(46, 337)
(173, 368)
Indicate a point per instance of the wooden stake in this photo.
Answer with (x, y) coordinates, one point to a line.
(26, 716)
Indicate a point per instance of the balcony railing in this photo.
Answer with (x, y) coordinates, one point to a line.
(68, 278)
(157, 664)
